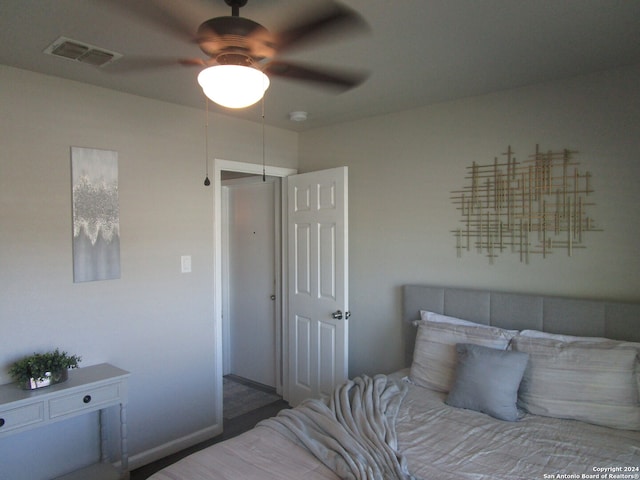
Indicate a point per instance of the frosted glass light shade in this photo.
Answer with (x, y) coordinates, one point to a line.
(233, 86)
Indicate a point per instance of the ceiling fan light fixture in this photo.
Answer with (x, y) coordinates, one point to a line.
(233, 86)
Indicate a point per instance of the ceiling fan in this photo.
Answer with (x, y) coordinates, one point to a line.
(244, 46)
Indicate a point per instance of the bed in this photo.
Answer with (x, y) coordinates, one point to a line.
(497, 386)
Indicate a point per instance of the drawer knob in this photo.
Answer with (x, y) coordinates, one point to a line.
(86, 399)
(1, 422)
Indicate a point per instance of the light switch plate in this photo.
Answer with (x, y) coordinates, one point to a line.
(185, 263)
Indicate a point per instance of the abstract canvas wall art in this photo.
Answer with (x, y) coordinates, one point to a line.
(96, 214)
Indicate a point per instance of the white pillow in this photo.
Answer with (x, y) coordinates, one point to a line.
(439, 318)
(595, 382)
(434, 357)
(560, 337)
(436, 317)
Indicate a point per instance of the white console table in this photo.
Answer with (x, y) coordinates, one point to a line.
(88, 389)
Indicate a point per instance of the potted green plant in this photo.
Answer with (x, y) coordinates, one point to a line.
(43, 369)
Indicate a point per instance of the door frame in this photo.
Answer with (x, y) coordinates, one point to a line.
(255, 169)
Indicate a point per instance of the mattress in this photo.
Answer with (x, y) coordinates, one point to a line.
(437, 441)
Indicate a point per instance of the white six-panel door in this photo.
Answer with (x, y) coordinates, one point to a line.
(318, 283)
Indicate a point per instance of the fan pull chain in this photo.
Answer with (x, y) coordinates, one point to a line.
(264, 168)
(207, 182)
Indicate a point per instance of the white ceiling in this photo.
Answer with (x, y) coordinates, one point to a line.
(418, 52)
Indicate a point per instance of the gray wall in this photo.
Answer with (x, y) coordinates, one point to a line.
(402, 168)
(154, 321)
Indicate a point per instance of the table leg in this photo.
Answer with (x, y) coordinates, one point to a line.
(124, 455)
(103, 436)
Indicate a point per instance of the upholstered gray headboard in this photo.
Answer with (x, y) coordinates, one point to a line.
(571, 316)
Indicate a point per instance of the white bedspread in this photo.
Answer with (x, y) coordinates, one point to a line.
(449, 443)
(438, 442)
(259, 454)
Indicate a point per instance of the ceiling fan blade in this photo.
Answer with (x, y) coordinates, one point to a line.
(194, 62)
(163, 14)
(333, 78)
(137, 64)
(331, 21)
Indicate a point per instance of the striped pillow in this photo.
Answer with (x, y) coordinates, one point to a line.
(434, 357)
(592, 381)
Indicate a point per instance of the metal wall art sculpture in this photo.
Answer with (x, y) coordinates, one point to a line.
(535, 207)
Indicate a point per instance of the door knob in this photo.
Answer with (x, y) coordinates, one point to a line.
(338, 315)
(273, 297)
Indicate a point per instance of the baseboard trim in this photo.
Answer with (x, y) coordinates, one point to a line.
(143, 458)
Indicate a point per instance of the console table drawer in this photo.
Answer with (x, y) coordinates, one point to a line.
(21, 417)
(85, 400)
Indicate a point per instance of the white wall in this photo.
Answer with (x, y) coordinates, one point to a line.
(402, 168)
(157, 322)
(154, 321)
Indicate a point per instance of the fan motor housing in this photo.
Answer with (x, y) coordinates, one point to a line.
(235, 59)
(235, 34)
(236, 3)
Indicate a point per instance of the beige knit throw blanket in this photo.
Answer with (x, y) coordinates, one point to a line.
(353, 433)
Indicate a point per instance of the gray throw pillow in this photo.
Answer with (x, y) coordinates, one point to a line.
(487, 380)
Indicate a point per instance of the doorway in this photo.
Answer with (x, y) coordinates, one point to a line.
(250, 244)
(243, 169)
(321, 198)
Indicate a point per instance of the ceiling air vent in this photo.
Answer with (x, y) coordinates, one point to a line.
(81, 52)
